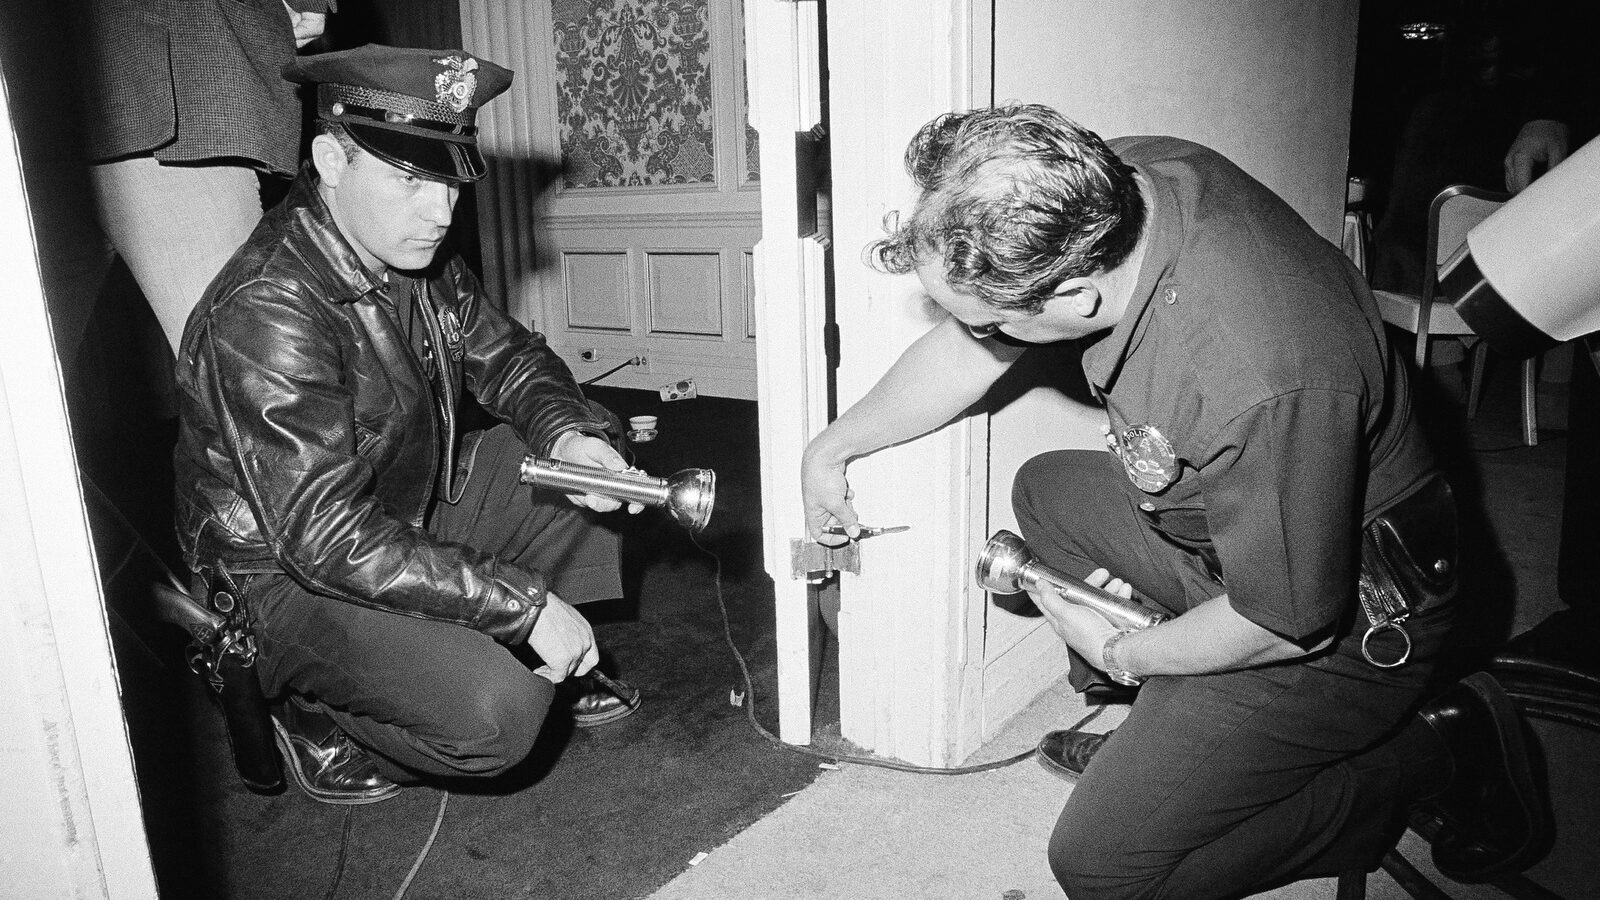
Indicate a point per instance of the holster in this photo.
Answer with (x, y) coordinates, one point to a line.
(229, 667)
(1408, 565)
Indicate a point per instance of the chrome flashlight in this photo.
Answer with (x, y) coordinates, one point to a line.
(688, 495)
(1007, 566)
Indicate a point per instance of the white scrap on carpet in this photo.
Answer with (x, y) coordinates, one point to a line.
(698, 858)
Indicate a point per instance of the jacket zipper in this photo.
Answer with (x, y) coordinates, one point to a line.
(423, 297)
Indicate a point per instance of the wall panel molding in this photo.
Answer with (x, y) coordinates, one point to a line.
(684, 293)
(596, 288)
(668, 220)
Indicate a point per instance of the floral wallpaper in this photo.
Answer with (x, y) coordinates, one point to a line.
(634, 92)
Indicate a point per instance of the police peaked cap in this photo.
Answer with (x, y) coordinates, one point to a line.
(414, 109)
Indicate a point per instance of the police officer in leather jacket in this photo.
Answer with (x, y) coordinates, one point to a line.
(396, 577)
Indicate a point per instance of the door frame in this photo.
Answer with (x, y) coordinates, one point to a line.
(790, 307)
(70, 797)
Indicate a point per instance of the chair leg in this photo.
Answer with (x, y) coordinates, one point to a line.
(1352, 885)
(1480, 355)
(1530, 401)
(1410, 880)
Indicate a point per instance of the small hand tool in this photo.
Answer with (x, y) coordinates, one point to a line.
(865, 531)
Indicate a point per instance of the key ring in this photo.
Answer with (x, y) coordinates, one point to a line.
(1380, 627)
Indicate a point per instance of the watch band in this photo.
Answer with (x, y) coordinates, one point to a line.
(1108, 661)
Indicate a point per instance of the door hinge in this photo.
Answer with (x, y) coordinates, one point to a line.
(813, 561)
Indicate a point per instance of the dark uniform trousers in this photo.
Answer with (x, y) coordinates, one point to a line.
(1218, 784)
(430, 697)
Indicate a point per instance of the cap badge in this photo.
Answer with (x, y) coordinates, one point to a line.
(1147, 455)
(455, 85)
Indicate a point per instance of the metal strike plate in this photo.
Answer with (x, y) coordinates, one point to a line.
(813, 561)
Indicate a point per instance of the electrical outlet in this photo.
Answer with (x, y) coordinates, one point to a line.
(678, 390)
(590, 355)
(643, 362)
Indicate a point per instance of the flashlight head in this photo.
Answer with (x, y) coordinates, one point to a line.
(690, 496)
(1001, 564)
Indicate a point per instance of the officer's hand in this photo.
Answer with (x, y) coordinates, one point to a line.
(826, 496)
(586, 450)
(1540, 146)
(564, 641)
(308, 26)
(1080, 627)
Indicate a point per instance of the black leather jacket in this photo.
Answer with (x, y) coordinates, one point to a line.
(311, 441)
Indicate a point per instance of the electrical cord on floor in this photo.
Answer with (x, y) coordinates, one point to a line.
(344, 848)
(630, 361)
(416, 865)
(749, 704)
(438, 820)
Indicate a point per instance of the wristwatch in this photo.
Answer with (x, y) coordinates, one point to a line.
(1108, 661)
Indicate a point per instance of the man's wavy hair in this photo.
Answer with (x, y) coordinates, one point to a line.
(342, 135)
(1015, 200)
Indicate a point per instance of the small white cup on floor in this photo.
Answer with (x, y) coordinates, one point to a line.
(641, 429)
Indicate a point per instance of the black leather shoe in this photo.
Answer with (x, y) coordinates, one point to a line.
(326, 764)
(597, 700)
(1067, 753)
(1491, 817)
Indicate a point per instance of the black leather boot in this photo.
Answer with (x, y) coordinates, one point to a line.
(595, 699)
(1491, 819)
(326, 764)
(1067, 753)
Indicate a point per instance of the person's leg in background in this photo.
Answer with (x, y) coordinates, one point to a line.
(175, 226)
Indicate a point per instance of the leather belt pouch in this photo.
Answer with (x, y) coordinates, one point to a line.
(1408, 565)
(244, 707)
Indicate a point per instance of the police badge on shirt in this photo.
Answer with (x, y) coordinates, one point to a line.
(1147, 456)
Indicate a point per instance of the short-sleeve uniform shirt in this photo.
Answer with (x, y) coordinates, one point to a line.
(1254, 349)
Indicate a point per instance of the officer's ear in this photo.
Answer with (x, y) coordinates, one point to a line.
(327, 155)
(1081, 295)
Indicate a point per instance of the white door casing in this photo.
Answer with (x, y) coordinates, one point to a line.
(70, 824)
(790, 310)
